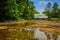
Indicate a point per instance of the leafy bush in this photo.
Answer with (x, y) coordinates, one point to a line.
(54, 18)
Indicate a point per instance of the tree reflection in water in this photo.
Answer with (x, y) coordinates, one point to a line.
(23, 34)
(13, 34)
(51, 36)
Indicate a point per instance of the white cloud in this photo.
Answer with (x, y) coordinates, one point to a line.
(44, 2)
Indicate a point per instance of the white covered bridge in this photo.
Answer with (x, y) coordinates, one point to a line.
(40, 16)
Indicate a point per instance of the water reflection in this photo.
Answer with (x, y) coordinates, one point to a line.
(27, 34)
(43, 35)
(58, 37)
(39, 34)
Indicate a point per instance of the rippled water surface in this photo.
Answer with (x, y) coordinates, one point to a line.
(39, 34)
(27, 34)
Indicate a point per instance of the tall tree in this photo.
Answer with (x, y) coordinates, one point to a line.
(48, 7)
(48, 10)
(16, 9)
(8, 9)
(3, 4)
(55, 10)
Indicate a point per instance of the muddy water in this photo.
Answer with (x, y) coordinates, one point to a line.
(58, 37)
(39, 34)
(25, 33)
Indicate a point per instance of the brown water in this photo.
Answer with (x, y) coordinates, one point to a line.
(24, 34)
(40, 35)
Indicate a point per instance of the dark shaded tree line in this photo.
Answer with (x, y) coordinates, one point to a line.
(52, 11)
(16, 9)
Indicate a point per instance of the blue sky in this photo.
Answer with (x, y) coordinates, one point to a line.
(41, 4)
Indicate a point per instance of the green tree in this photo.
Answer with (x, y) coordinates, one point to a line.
(3, 4)
(52, 11)
(58, 14)
(29, 10)
(16, 9)
(9, 10)
(48, 10)
(55, 10)
(48, 7)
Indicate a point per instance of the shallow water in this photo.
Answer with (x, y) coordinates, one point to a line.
(39, 34)
(25, 34)
(58, 37)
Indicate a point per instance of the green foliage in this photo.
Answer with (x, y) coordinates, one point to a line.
(52, 11)
(47, 10)
(16, 10)
(48, 7)
(55, 10)
(55, 19)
